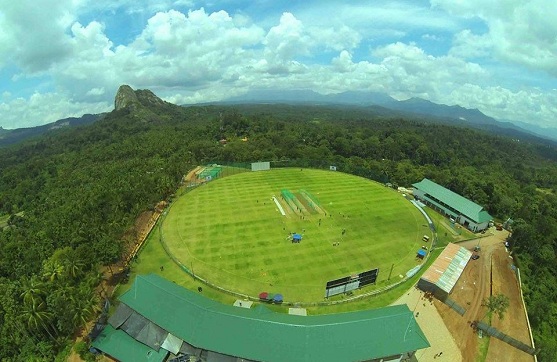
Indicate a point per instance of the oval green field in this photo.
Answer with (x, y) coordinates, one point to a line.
(231, 232)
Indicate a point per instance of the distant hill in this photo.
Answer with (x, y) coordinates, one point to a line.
(549, 133)
(8, 137)
(413, 107)
(378, 104)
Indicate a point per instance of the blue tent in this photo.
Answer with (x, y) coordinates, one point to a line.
(277, 299)
(296, 238)
(421, 253)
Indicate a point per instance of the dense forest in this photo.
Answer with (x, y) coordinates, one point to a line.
(68, 197)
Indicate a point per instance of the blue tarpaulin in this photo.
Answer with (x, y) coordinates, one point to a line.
(422, 253)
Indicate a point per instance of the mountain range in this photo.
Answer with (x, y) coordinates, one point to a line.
(12, 136)
(377, 103)
(416, 107)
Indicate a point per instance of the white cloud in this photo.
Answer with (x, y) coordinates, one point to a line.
(286, 40)
(45, 108)
(495, 101)
(195, 55)
(96, 92)
(469, 45)
(523, 32)
(34, 35)
(431, 37)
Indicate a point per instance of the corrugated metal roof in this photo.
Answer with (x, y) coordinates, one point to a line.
(270, 336)
(463, 205)
(121, 346)
(447, 268)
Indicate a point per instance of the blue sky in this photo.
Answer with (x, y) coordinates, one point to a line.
(67, 57)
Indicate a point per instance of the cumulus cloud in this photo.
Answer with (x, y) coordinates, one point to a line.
(414, 73)
(503, 103)
(34, 33)
(45, 108)
(469, 45)
(286, 40)
(523, 32)
(195, 55)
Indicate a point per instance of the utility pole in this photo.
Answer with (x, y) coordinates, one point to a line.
(392, 266)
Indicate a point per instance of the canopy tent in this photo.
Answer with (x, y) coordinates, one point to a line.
(421, 253)
(277, 298)
(296, 238)
(264, 296)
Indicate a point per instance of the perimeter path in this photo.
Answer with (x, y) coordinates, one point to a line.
(433, 327)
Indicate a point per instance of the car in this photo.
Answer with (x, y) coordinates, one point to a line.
(475, 257)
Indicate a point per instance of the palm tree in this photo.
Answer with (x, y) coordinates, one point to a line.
(33, 290)
(52, 270)
(84, 307)
(72, 265)
(36, 316)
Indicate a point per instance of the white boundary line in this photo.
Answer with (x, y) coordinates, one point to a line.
(279, 206)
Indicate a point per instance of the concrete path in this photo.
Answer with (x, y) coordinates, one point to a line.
(433, 327)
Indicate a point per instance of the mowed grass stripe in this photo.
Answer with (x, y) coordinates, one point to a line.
(231, 232)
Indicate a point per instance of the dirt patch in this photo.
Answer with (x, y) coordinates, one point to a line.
(192, 175)
(474, 285)
(513, 323)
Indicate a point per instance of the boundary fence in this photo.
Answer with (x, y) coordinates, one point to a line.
(526, 312)
(505, 338)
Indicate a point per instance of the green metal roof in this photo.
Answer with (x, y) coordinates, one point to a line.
(260, 334)
(466, 207)
(119, 345)
(484, 216)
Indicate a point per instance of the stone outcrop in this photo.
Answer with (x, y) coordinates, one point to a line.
(125, 98)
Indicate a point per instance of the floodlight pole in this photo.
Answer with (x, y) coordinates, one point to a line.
(392, 266)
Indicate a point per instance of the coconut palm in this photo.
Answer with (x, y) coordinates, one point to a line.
(52, 270)
(33, 290)
(37, 317)
(84, 307)
(72, 266)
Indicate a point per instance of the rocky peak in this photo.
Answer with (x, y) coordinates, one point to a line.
(148, 98)
(125, 97)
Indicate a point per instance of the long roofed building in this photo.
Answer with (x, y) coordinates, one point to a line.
(464, 211)
(159, 319)
(441, 277)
